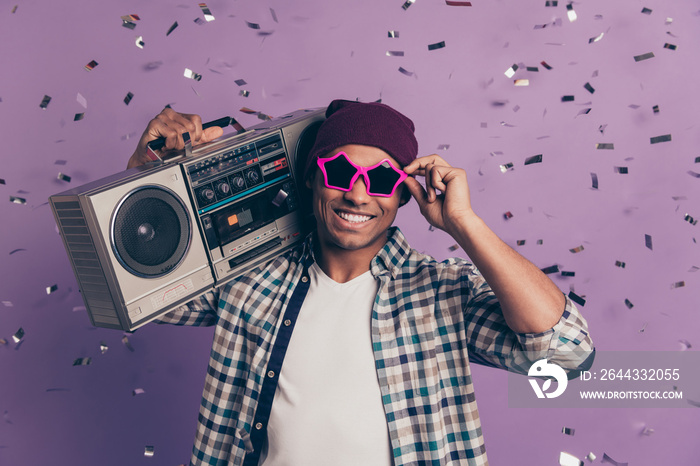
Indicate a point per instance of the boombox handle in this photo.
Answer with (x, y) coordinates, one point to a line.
(160, 142)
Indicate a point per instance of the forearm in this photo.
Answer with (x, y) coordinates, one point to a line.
(530, 301)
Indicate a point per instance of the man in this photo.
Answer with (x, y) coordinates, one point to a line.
(376, 338)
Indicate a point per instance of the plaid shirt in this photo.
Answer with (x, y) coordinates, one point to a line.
(429, 320)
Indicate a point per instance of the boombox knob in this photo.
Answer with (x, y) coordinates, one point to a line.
(253, 176)
(207, 194)
(223, 188)
(238, 183)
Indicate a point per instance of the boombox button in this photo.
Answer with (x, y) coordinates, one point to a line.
(135, 312)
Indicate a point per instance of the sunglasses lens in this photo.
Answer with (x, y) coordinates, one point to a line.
(383, 179)
(339, 172)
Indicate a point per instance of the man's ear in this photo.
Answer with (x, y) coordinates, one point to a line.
(405, 196)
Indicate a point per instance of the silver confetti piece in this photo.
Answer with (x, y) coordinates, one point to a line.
(628, 303)
(19, 334)
(45, 102)
(149, 451)
(129, 96)
(103, 347)
(393, 34)
(63, 177)
(394, 53)
(82, 362)
(408, 3)
(139, 42)
(591, 457)
(171, 29)
(506, 167)
(690, 220)
(51, 289)
(138, 391)
(79, 116)
(568, 431)
(207, 13)
(567, 459)
(658, 139)
(534, 159)
(594, 180)
(570, 13)
(647, 242)
(644, 56)
(244, 93)
(192, 75)
(596, 38)
(510, 72)
(605, 146)
(607, 459)
(436, 46)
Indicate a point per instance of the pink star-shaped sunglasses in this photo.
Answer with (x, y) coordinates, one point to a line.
(339, 172)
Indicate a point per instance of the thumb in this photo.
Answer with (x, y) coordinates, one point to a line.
(416, 190)
(211, 133)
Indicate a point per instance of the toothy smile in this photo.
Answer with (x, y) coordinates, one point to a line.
(353, 218)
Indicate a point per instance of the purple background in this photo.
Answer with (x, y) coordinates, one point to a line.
(304, 55)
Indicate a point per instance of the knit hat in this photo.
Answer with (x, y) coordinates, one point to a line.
(368, 124)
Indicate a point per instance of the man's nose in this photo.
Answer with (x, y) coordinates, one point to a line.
(358, 194)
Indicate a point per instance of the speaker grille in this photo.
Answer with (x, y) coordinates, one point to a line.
(150, 231)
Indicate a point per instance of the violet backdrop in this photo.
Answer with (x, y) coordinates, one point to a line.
(298, 54)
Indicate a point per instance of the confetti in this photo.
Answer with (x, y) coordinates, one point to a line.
(274, 15)
(199, 21)
(647, 242)
(3, 342)
(690, 220)
(16, 251)
(82, 362)
(129, 96)
(79, 116)
(678, 285)
(620, 264)
(192, 75)
(591, 457)
(539, 241)
(567, 459)
(138, 391)
(18, 200)
(522, 82)
(405, 71)
(570, 13)
(544, 63)
(510, 72)
(139, 42)
(205, 10)
(63, 177)
(457, 3)
(437, 45)
(568, 431)
(584, 111)
(443, 146)
(647, 431)
(655, 108)
(607, 459)
(2, 181)
(693, 174)
(551, 269)
(628, 303)
(253, 25)
(91, 65)
(576, 298)
(131, 18)
(14, 9)
(454, 247)
(596, 38)
(520, 242)
(564, 273)
(408, 3)
(605, 146)
(589, 88)
(240, 82)
(8, 304)
(567, 98)
(171, 29)
(244, 93)
(506, 167)
(45, 102)
(125, 341)
(644, 56)
(51, 289)
(601, 128)
(686, 344)
(621, 170)
(534, 159)
(646, 11)
(19, 334)
(507, 215)
(670, 46)
(149, 451)
(551, 3)
(393, 34)
(594, 180)
(576, 249)
(658, 139)
(81, 100)
(394, 53)
(103, 347)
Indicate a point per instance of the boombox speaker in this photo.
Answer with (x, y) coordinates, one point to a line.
(149, 239)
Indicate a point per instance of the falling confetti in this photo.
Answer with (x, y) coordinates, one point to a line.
(594, 180)
(63, 177)
(551, 269)
(620, 264)
(510, 72)
(149, 451)
(253, 25)
(568, 431)
(607, 459)
(591, 457)
(192, 75)
(605, 146)
(534, 159)
(521, 82)
(686, 344)
(647, 431)
(570, 13)
(655, 108)
(81, 100)
(205, 10)
(443, 146)
(551, 3)
(589, 88)
(457, 3)
(628, 303)
(274, 15)
(129, 96)
(596, 38)
(91, 65)
(19, 334)
(103, 347)
(405, 71)
(244, 93)
(51, 289)
(82, 362)
(646, 11)
(506, 167)
(567, 459)
(138, 391)
(408, 3)
(438, 45)
(690, 220)
(171, 29)
(644, 56)
(520, 242)
(544, 63)
(621, 170)
(508, 215)
(454, 247)
(576, 249)
(394, 53)
(139, 42)
(564, 273)
(240, 82)
(678, 285)
(125, 341)
(658, 139)
(393, 34)
(647, 242)
(79, 116)
(18, 200)
(576, 298)
(45, 102)
(670, 46)
(567, 98)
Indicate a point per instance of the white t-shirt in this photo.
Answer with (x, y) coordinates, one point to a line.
(328, 406)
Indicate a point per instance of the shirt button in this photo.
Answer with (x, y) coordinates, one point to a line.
(271, 374)
(259, 425)
(304, 279)
(287, 322)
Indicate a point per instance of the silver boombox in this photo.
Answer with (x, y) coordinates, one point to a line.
(149, 239)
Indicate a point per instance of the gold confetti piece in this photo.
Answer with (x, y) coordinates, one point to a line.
(125, 341)
(394, 53)
(605, 146)
(192, 75)
(576, 298)
(138, 391)
(647, 242)
(522, 82)
(149, 451)
(508, 215)
(406, 72)
(45, 102)
(594, 180)
(171, 29)
(620, 264)
(520, 242)
(567, 431)
(19, 334)
(644, 56)
(670, 46)
(567, 459)
(576, 249)
(51, 289)
(139, 42)
(79, 116)
(621, 170)
(646, 11)
(131, 18)
(82, 362)
(589, 88)
(658, 139)
(129, 96)
(393, 34)
(680, 284)
(596, 38)
(607, 459)
(408, 3)
(510, 72)
(591, 457)
(207, 13)
(570, 13)
(534, 159)
(457, 3)
(628, 303)
(567, 98)
(91, 65)
(3, 341)
(506, 167)
(253, 25)
(690, 220)
(103, 347)
(63, 177)
(454, 247)
(437, 45)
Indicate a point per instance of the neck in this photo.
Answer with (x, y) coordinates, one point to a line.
(342, 265)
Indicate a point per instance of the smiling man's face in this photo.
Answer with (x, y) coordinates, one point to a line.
(354, 220)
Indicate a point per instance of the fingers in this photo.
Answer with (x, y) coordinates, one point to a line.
(419, 164)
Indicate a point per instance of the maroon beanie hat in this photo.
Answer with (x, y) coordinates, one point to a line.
(369, 124)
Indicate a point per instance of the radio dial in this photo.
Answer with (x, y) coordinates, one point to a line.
(238, 183)
(223, 188)
(207, 194)
(253, 176)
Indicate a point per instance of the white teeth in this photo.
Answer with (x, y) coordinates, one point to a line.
(352, 218)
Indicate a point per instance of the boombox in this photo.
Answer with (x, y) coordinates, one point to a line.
(149, 239)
